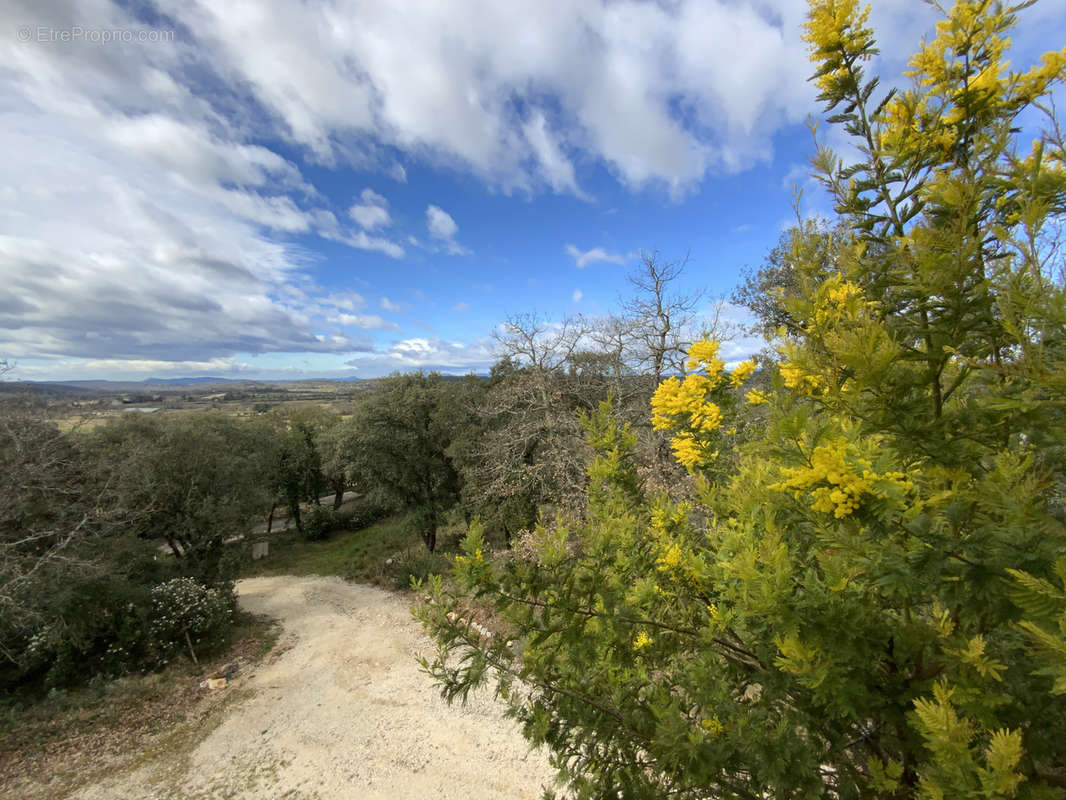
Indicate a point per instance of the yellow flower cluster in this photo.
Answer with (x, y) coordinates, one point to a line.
(1036, 81)
(741, 373)
(756, 398)
(671, 559)
(713, 726)
(689, 452)
(837, 300)
(642, 640)
(835, 28)
(797, 378)
(704, 355)
(674, 398)
(683, 405)
(665, 517)
(835, 24)
(837, 479)
(965, 80)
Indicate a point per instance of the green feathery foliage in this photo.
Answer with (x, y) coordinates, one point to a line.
(870, 601)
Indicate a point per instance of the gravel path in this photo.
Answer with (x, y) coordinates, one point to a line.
(342, 712)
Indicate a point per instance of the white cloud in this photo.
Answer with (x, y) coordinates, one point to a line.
(556, 168)
(352, 81)
(367, 321)
(361, 240)
(577, 295)
(427, 353)
(460, 306)
(443, 228)
(658, 93)
(388, 305)
(582, 258)
(143, 217)
(440, 223)
(372, 212)
(138, 220)
(132, 369)
(345, 301)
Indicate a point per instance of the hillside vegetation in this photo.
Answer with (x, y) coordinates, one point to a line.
(836, 569)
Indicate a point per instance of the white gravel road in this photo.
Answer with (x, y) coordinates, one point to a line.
(342, 712)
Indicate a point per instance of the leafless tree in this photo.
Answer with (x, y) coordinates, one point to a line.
(530, 450)
(611, 336)
(660, 316)
(533, 340)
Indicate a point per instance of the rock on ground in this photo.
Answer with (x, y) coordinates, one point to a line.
(342, 712)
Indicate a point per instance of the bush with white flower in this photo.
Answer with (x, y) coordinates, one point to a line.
(186, 613)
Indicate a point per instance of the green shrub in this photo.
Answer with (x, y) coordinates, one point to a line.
(99, 627)
(186, 614)
(416, 563)
(365, 514)
(319, 523)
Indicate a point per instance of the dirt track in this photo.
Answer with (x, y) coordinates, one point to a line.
(341, 711)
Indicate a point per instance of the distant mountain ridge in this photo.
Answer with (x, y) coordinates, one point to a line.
(156, 385)
(199, 379)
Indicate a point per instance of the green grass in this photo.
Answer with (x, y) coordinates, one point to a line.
(385, 553)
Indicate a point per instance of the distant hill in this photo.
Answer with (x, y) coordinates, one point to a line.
(201, 379)
(153, 384)
(172, 385)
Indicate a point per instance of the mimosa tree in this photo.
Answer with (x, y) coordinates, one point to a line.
(870, 602)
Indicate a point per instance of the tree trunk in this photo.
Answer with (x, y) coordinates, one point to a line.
(270, 517)
(338, 498)
(430, 533)
(192, 652)
(294, 512)
(174, 546)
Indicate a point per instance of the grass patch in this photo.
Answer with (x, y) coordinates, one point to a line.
(385, 553)
(51, 746)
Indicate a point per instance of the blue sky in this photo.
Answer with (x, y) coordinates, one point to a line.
(280, 190)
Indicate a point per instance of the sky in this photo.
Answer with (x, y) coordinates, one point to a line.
(347, 188)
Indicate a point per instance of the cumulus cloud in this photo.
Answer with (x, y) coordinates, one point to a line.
(596, 81)
(582, 258)
(443, 229)
(372, 211)
(138, 219)
(388, 305)
(154, 198)
(440, 223)
(431, 353)
(577, 295)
